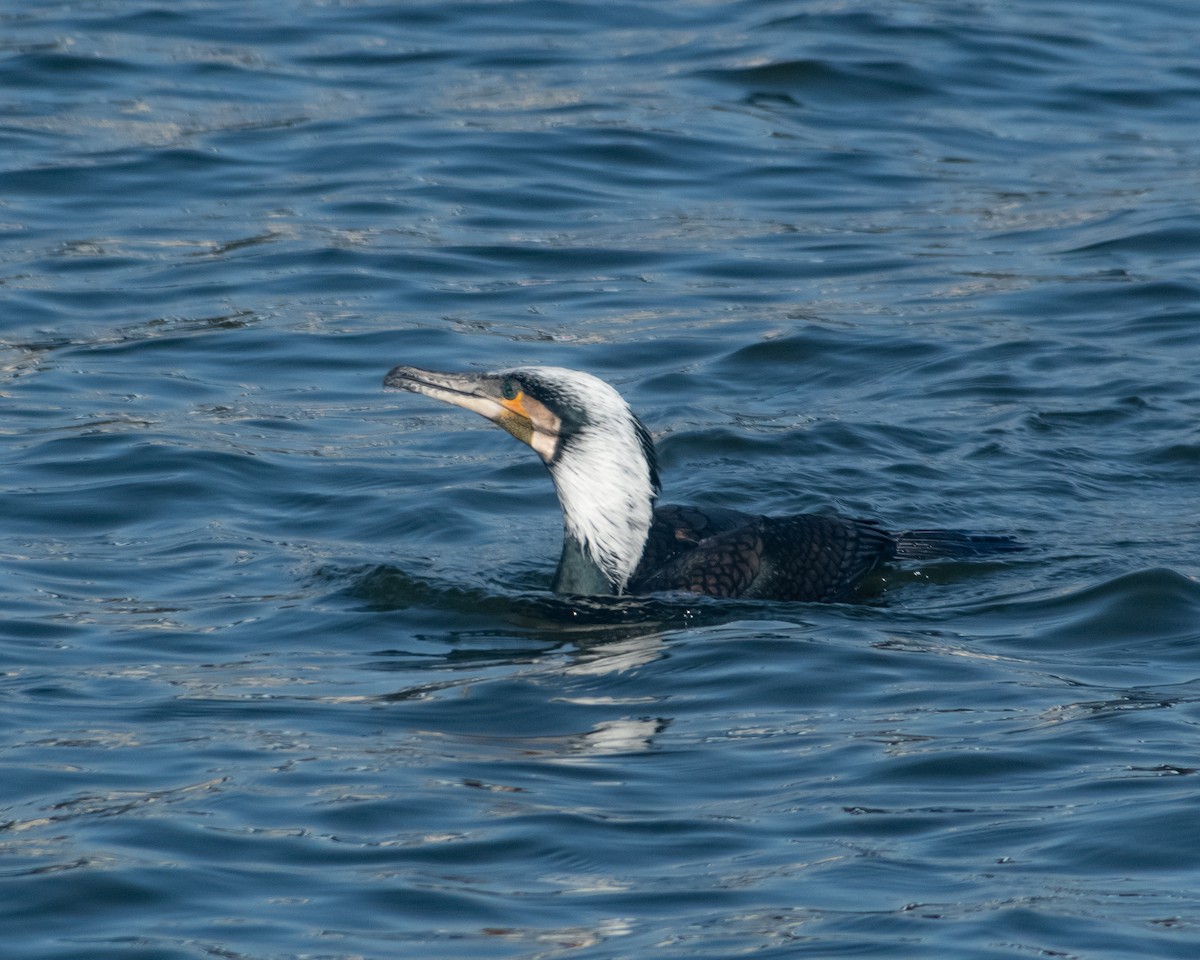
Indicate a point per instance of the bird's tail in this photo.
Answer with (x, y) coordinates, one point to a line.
(951, 545)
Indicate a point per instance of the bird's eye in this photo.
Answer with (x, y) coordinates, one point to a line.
(510, 389)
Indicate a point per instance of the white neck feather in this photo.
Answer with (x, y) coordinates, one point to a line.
(607, 497)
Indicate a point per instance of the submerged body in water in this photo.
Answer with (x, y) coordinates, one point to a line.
(617, 541)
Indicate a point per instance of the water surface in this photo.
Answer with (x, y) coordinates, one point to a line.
(281, 674)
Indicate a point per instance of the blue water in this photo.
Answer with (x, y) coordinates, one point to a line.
(281, 676)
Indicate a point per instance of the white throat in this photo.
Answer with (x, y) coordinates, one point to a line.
(607, 496)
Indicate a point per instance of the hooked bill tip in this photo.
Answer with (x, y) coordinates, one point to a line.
(400, 378)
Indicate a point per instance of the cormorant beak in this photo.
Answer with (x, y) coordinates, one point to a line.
(527, 419)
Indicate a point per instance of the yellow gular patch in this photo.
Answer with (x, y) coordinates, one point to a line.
(517, 406)
(545, 426)
(543, 420)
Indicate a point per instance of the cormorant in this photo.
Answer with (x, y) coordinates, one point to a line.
(616, 541)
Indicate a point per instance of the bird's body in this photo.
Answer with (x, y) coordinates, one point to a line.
(616, 541)
(729, 554)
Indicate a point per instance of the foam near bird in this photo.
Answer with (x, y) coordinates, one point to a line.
(617, 541)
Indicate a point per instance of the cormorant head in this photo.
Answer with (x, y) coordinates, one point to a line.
(600, 455)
